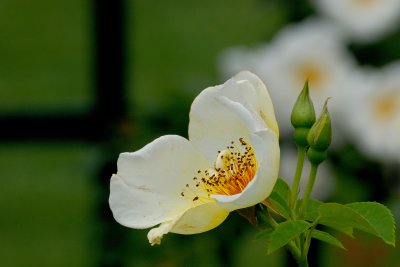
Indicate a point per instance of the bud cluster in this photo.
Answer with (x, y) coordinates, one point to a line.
(313, 135)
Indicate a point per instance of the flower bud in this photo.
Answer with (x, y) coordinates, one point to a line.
(320, 134)
(319, 137)
(316, 156)
(303, 116)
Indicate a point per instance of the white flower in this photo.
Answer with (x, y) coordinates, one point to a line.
(311, 50)
(230, 161)
(373, 112)
(363, 20)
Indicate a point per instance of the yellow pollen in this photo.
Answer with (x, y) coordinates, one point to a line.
(233, 169)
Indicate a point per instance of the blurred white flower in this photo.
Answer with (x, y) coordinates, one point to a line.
(373, 112)
(311, 50)
(363, 20)
(230, 161)
(324, 184)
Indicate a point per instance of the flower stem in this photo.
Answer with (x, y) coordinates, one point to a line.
(300, 259)
(297, 176)
(310, 185)
(291, 246)
(303, 262)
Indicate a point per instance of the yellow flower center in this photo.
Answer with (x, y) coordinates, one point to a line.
(233, 169)
(386, 107)
(312, 73)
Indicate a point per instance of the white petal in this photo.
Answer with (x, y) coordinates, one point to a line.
(146, 190)
(258, 102)
(200, 219)
(156, 234)
(225, 113)
(196, 220)
(213, 125)
(266, 147)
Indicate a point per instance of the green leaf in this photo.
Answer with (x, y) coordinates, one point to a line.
(311, 213)
(370, 217)
(341, 217)
(343, 228)
(282, 189)
(285, 232)
(379, 217)
(278, 205)
(264, 234)
(278, 201)
(327, 238)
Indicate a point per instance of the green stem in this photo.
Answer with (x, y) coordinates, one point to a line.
(297, 176)
(310, 185)
(296, 252)
(303, 262)
(307, 243)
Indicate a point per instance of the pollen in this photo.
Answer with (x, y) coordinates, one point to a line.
(233, 169)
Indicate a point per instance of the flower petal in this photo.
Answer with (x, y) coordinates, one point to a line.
(266, 146)
(156, 234)
(196, 220)
(146, 190)
(260, 102)
(200, 219)
(227, 112)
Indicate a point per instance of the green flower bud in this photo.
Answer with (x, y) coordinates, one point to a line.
(300, 136)
(303, 116)
(316, 156)
(319, 137)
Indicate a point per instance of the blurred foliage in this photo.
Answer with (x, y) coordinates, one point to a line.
(45, 55)
(46, 203)
(174, 49)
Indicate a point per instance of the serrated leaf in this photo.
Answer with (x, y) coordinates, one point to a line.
(278, 201)
(339, 216)
(285, 232)
(343, 228)
(379, 217)
(327, 238)
(357, 216)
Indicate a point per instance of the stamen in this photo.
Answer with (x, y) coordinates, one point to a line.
(233, 169)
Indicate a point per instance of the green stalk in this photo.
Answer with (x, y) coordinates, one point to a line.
(310, 185)
(297, 176)
(291, 246)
